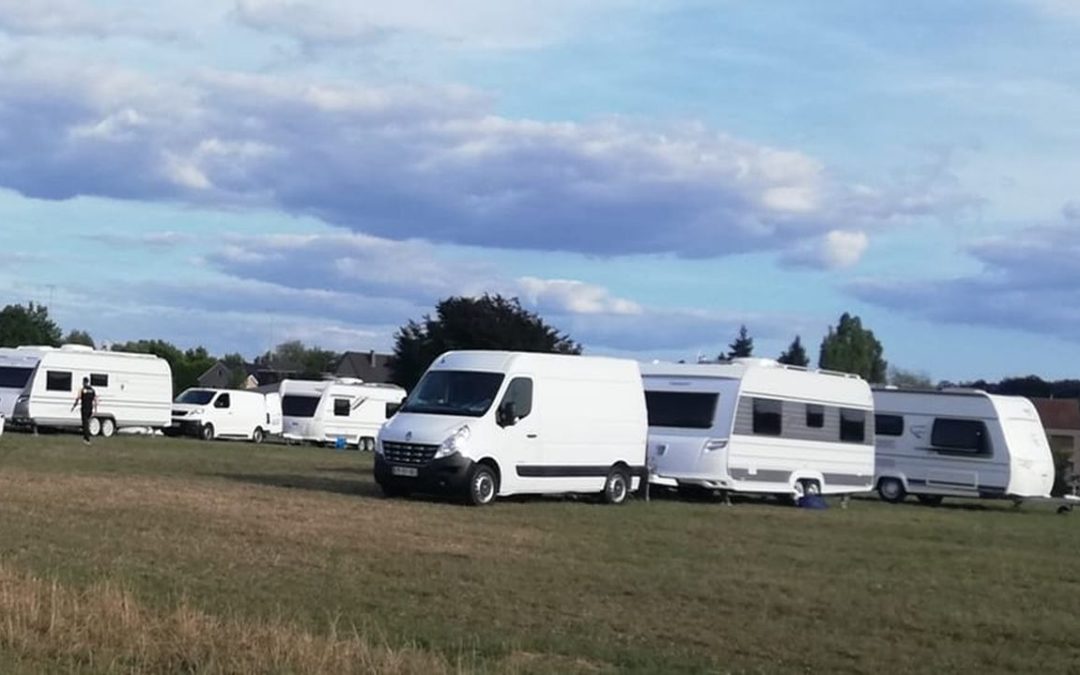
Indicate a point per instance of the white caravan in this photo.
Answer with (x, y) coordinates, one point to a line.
(960, 443)
(757, 426)
(226, 413)
(133, 390)
(328, 410)
(483, 424)
(16, 368)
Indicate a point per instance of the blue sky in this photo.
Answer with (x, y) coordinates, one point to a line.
(646, 175)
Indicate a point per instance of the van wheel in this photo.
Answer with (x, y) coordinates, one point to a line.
(891, 490)
(258, 436)
(108, 427)
(617, 486)
(483, 485)
(95, 426)
(930, 500)
(207, 432)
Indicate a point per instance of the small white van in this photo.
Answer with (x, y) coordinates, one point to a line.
(959, 443)
(758, 426)
(224, 413)
(348, 409)
(133, 390)
(483, 424)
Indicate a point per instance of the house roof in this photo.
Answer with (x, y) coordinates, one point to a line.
(367, 366)
(1058, 413)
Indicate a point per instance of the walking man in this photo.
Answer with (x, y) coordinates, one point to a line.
(87, 398)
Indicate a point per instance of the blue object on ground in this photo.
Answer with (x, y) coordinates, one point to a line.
(813, 502)
(340, 443)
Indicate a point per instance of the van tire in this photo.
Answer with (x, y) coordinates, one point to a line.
(483, 485)
(207, 432)
(616, 486)
(108, 427)
(891, 490)
(258, 436)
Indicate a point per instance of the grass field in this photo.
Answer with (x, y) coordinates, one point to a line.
(156, 555)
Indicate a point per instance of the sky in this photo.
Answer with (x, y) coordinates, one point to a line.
(647, 176)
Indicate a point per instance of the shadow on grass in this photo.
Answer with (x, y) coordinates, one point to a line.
(361, 488)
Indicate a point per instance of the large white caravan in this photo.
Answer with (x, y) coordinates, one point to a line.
(484, 424)
(226, 413)
(959, 442)
(134, 390)
(16, 368)
(328, 410)
(755, 425)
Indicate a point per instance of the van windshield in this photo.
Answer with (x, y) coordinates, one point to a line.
(14, 378)
(454, 392)
(195, 397)
(295, 405)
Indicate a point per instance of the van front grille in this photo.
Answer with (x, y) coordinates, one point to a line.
(179, 413)
(408, 453)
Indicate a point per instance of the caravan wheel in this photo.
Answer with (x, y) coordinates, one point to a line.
(95, 426)
(108, 427)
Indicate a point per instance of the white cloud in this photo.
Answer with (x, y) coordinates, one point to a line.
(66, 18)
(574, 297)
(836, 249)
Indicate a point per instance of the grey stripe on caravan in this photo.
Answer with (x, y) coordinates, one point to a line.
(847, 479)
(763, 476)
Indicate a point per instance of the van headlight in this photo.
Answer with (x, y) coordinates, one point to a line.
(457, 442)
(196, 412)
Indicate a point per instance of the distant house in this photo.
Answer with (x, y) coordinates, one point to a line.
(218, 376)
(1061, 419)
(367, 366)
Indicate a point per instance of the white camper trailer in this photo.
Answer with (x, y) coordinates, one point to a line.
(328, 410)
(134, 390)
(960, 443)
(755, 425)
(16, 368)
(226, 413)
(483, 424)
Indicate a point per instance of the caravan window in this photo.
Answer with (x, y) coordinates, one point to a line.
(520, 391)
(56, 380)
(222, 401)
(342, 407)
(99, 380)
(15, 378)
(294, 405)
(767, 416)
(681, 409)
(852, 425)
(962, 436)
(889, 425)
(815, 416)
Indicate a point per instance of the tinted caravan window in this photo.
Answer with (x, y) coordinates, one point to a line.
(14, 378)
(967, 436)
(767, 416)
(99, 380)
(342, 407)
(681, 409)
(293, 405)
(56, 380)
(852, 425)
(889, 425)
(815, 416)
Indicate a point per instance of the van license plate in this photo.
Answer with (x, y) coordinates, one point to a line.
(410, 471)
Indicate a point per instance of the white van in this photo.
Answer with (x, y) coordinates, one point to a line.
(484, 424)
(16, 368)
(223, 413)
(328, 410)
(758, 426)
(133, 390)
(959, 443)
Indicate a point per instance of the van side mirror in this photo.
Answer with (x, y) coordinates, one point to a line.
(391, 409)
(506, 415)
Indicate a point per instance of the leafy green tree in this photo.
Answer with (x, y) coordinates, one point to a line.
(909, 379)
(487, 322)
(743, 345)
(795, 355)
(29, 325)
(79, 337)
(853, 349)
(294, 355)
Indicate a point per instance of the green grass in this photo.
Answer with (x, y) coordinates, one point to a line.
(223, 547)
